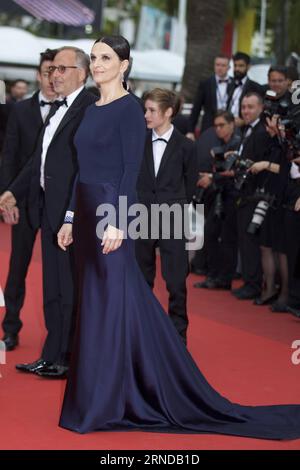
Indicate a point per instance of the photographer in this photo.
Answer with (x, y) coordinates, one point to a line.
(289, 130)
(270, 229)
(220, 228)
(255, 142)
(284, 223)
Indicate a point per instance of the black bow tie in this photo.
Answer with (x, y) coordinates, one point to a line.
(223, 80)
(238, 83)
(45, 103)
(247, 128)
(59, 103)
(55, 105)
(160, 139)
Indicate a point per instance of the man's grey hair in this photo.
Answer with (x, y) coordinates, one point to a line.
(82, 59)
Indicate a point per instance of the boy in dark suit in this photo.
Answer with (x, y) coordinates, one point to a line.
(168, 175)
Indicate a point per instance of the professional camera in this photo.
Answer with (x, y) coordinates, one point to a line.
(198, 196)
(219, 205)
(222, 163)
(265, 201)
(233, 161)
(241, 172)
(291, 125)
(275, 106)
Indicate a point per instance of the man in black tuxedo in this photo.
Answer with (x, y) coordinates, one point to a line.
(24, 125)
(241, 86)
(211, 96)
(168, 175)
(48, 179)
(255, 143)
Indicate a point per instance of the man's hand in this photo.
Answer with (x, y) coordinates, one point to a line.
(112, 239)
(227, 173)
(297, 205)
(258, 167)
(7, 201)
(12, 216)
(64, 236)
(273, 126)
(191, 136)
(229, 153)
(205, 180)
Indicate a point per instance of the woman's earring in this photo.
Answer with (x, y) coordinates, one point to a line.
(122, 77)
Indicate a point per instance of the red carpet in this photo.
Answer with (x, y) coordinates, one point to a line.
(244, 352)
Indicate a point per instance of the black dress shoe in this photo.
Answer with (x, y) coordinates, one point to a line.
(209, 283)
(279, 307)
(223, 285)
(294, 311)
(266, 301)
(198, 271)
(238, 290)
(10, 341)
(32, 367)
(54, 371)
(247, 294)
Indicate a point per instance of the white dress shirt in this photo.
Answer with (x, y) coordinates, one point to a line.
(159, 147)
(236, 98)
(294, 171)
(51, 129)
(222, 95)
(44, 109)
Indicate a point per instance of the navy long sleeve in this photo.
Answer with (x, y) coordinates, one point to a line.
(110, 144)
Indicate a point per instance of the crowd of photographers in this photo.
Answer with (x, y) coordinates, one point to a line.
(249, 182)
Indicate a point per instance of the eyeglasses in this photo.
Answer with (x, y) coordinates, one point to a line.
(61, 68)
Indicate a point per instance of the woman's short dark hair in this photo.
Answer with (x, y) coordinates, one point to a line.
(165, 99)
(119, 44)
(227, 115)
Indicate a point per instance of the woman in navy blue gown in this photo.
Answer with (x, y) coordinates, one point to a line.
(130, 369)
